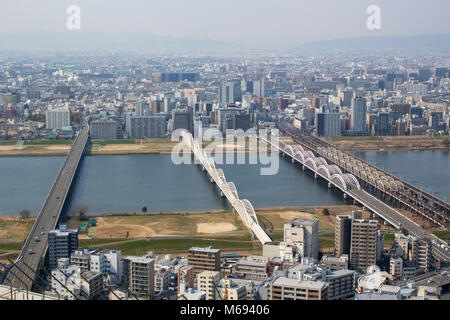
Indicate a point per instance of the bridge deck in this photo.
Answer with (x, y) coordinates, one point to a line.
(380, 208)
(33, 252)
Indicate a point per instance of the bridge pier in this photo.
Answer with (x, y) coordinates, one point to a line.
(293, 160)
(345, 196)
(315, 176)
(329, 185)
(303, 168)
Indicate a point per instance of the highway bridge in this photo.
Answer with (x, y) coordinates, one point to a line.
(350, 186)
(227, 189)
(35, 248)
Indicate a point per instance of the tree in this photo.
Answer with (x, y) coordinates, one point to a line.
(325, 212)
(25, 214)
(80, 211)
(144, 209)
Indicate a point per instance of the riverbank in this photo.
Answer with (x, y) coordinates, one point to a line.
(109, 147)
(391, 143)
(175, 232)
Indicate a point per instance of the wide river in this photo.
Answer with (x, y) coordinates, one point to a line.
(126, 183)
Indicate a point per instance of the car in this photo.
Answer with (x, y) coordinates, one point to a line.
(36, 239)
(30, 251)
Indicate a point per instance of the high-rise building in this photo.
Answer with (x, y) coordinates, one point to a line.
(342, 234)
(142, 107)
(305, 232)
(204, 259)
(421, 250)
(183, 120)
(146, 127)
(62, 243)
(103, 129)
(57, 118)
(139, 275)
(258, 87)
(363, 245)
(346, 97)
(230, 92)
(328, 124)
(358, 115)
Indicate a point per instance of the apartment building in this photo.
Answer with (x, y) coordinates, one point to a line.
(363, 246)
(342, 234)
(292, 289)
(204, 259)
(139, 275)
(208, 281)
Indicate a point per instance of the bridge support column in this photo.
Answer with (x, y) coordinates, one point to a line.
(315, 176)
(329, 185)
(293, 160)
(354, 201)
(345, 196)
(303, 168)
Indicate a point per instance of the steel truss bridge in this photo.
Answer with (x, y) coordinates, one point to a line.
(227, 189)
(350, 186)
(397, 192)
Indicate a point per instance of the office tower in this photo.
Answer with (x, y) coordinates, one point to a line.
(358, 115)
(363, 244)
(342, 234)
(382, 124)
(425, 74)
(421, 251)
(204, 259)
(183, 120)
(146, 127)
(230, 92)
(186, 275)
(305, 232)
(103, 129)
(142, 107)
(57, 118)
(396, 267)
(208, 281)
(328, 124)
(139, 275)
(61, 243)
(242, 121)
(258, 87)
(433, 120)
(157, 105)
(346, 97)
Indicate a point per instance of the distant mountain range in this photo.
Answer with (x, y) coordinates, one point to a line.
(93, 41)
(142, 41)
(418, 43)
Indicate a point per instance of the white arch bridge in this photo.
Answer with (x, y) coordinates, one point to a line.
(243, 207)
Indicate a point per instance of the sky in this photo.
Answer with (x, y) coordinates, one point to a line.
(256, 23)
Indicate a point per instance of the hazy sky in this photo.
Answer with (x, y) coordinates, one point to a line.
(262, 23)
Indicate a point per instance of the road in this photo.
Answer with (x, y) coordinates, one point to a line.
(33, 252)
